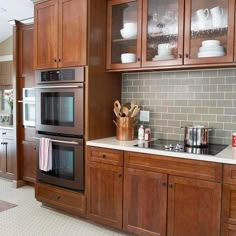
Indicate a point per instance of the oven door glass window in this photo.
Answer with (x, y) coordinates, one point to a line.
(57, 108)
(63, 158)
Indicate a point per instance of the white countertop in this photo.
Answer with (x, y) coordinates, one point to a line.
(227, 156)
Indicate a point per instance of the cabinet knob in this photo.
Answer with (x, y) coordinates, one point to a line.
(171, 185)
(180, 55)
(138, 59)
(163, 183)
(119, 175)
(58, 198)
(104, 156)
(59, 59)
(55, 60)
(4, 133)
(186, 55)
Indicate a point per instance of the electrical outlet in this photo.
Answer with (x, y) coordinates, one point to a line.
(144, 116)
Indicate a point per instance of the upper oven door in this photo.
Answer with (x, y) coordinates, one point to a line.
(60, 109)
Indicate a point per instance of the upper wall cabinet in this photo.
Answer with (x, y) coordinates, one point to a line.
(209, 20)
(172, 33)
(60, 34)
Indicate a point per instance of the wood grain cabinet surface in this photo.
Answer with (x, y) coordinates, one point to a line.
(69, 201)
(60, 37)
(171, 25)
(6, 72)
(229, 201)
(104, 187)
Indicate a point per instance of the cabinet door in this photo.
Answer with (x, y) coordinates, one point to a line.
(29, 161)
(145, 198)
(162, 33)
(72, 33)
(228, 230)
(9, 150)
(6, 70)
(124, 34)
(229, 204)
(209, 20)
(25, 63)
(104, 193)
(193, 207)
(2, 158)
(46, 34)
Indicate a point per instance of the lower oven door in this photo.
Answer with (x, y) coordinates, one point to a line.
(67, 163)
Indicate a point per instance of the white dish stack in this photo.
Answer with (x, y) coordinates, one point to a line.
(211, 48)
(164, 52)
(129, 30)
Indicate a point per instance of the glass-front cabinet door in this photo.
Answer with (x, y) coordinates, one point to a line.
(162, 32)
(209, 31)
(124, 34)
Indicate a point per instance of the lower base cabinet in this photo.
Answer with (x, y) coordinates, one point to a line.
(145, 202)
(194, 207)
(191, 208)
(60, 198)
(104, 193)
(8, 162)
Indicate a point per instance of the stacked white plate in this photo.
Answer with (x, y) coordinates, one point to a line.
(211, 48)
(164, 52)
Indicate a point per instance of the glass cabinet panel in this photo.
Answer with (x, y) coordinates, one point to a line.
(162, 37)
(124, 33)
(210, 29)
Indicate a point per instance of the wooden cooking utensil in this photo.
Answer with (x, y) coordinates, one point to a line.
(125, 110)
(117, 105)
(116, 112)
(135, 111)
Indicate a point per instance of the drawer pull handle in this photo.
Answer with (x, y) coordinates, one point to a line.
(104, 156)
(171, 185)
(58, 198)
(4, 133)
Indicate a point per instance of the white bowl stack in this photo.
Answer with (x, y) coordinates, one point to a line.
(164, 52)
(211, 48)
(128, 58)
(129, 30)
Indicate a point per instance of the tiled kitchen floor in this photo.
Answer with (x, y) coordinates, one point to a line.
(29, 218)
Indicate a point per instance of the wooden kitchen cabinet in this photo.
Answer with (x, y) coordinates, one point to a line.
(104, 187)
(229, 201)
(178, 200)
(60, 37)
(171, 34)
(29, 161)
(194, 207)
(145, 202)
(8, 166)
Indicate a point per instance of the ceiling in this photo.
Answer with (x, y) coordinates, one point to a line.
(13, 9)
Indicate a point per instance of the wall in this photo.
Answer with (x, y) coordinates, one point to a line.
(6, 47)
(181, 98)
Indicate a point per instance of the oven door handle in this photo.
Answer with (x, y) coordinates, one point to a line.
(24, 101)
(60, 141)
(59, 87)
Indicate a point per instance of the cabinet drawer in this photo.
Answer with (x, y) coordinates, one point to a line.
(176, 166)
(5, 133)
(63, 199)
(229, 174)
(104, 155)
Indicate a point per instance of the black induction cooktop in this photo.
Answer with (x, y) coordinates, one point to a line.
(177, 146)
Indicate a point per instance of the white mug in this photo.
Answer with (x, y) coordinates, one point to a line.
(202, 15)
(217, 14)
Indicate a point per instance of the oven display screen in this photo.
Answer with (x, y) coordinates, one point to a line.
(57, 108)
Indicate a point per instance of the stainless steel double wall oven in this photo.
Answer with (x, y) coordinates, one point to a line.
(60, 117)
